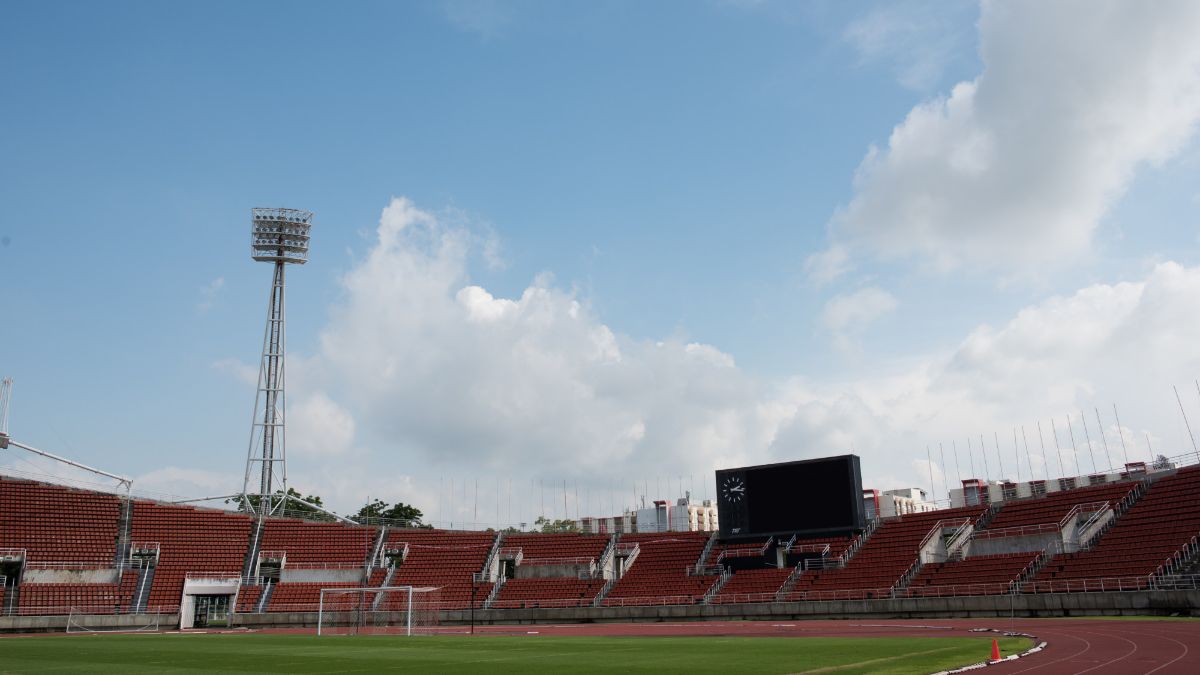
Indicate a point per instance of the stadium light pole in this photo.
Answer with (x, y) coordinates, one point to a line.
(280, 237)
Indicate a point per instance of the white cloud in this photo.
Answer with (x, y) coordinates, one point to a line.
(845, 316)
(423, 377)
(825, 266)
(1016, 167)
(240, 371)
(319, 426)
(210, 294)
(484, 18)
(918, 37)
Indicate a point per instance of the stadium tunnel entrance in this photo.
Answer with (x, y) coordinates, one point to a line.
(210, 611)
(206, 601)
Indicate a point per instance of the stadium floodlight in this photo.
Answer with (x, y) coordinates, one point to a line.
(278, 236)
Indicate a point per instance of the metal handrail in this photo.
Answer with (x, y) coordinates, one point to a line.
(939, 526)
(581, 560)
(1181, 555)
(1032, 568)
(1017, 531)
(822, 549)
(291, 567)
(213, 576)
(1079, 509)
(744, 552)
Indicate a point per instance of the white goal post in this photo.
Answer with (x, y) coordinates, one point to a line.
(81, 620)
(379, 610)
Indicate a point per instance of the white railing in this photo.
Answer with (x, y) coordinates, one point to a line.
(294, 567)
(81, 566)
(912, 571)
(580, 560)
(744, 598)
(745, 551)
(716, 586)
(939, 527)
(548, 603)
(860, 540)
(215, 577)
(1018, 531)
(1030, 570)
(609, 552)
(92, 609)
(1177, 582)
(959, 538)
(1183, 555)
(836, 562)
(1093, 508)
(10, 554)
(820, 549)
(272, 555)
(397, 550)
(651, 601)
(1130, 583)
(628, 551)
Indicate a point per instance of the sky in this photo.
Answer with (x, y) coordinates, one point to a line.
(570, 256)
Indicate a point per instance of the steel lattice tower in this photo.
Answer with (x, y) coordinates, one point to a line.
(278, 236)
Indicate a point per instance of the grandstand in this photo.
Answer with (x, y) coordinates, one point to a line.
(68, 550)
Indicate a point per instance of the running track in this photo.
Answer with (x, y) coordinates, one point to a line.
(1102, 647)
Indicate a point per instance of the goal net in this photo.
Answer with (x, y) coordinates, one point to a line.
(385, 610)
(86, 620)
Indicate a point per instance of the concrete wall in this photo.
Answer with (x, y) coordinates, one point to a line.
(37, 576)
(43, 624)
(1164, 603)
(349, 576)
(1022, 544)
(544, 571)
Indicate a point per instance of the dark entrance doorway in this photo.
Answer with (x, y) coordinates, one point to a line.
(212, 611)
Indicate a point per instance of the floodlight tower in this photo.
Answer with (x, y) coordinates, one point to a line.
(278, 236)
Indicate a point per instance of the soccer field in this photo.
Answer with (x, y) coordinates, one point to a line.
(257, 653)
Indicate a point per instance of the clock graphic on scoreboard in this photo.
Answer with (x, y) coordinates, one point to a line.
(733, 489)
(733, 511)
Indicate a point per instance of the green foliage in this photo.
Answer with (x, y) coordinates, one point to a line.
(544, 524)
(378, 510)
(296, 506)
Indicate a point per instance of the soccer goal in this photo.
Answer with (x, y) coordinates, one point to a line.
(82, 620)
(383, 610)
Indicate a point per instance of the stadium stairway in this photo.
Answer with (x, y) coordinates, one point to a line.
(1150, 532)
(659, 575)
(881, 562)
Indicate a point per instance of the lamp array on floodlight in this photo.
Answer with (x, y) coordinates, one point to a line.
(280, 235)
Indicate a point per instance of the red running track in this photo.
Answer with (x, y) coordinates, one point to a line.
(1100, 646)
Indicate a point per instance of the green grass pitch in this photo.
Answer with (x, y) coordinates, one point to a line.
(260, 653)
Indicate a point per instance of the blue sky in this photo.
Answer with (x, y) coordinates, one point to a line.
(676, 169)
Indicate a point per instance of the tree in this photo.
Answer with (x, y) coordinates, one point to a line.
(550, 526)
(296, 506)
(377, 509)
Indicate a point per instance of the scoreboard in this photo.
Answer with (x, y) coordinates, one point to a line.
(812, 497)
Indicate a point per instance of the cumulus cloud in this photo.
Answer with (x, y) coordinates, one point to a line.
(917, 37)
(319, 426)
(424, 379)
(239, 370)
(210, 294)
(1017, 166)
(845, 316)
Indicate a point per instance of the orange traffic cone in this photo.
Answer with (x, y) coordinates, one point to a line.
(995, 650)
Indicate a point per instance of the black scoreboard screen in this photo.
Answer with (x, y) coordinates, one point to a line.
(811, 497)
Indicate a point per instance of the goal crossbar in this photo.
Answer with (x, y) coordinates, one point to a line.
(377, 608)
